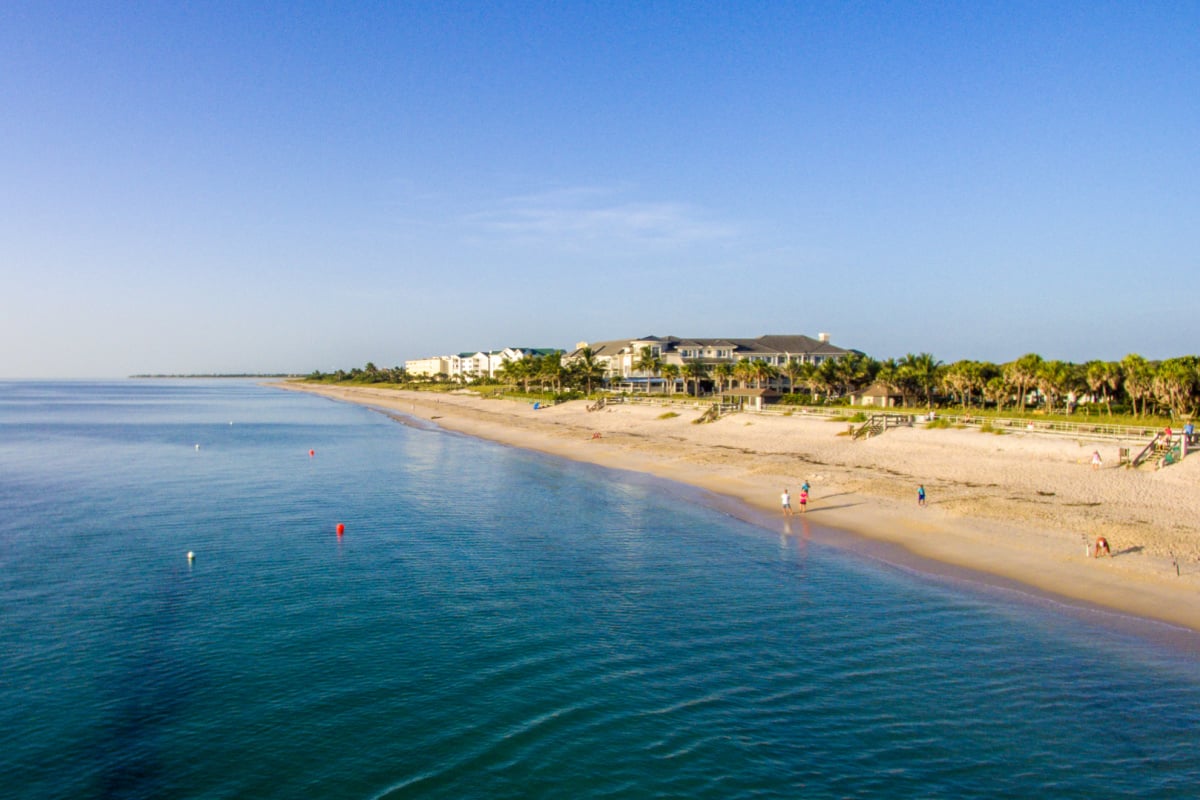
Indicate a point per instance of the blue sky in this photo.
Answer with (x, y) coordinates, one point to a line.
(227, 187)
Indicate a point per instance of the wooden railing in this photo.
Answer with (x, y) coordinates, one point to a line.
(1089, 430)
(1146, 452)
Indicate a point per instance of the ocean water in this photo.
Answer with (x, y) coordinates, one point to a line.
(496, 624)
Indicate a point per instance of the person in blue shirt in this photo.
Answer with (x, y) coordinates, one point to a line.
(921, 495)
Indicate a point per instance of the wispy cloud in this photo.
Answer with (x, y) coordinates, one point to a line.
(587, 216)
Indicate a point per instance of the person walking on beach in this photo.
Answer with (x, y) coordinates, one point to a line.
(803, 500)
(786, 500)
(804, 487)
(921, 495)
(1095, 459)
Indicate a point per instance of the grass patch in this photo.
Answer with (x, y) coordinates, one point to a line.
(668, 415)
(938, 423)
(987, 427)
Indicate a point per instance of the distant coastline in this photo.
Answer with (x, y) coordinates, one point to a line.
(219, 375)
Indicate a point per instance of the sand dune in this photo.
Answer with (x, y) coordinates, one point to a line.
(1017, 508)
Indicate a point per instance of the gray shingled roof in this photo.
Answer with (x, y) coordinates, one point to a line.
(793, 344)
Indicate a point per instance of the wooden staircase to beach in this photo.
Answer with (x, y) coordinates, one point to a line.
(1160, 452)
(872, 427)
(879, 423)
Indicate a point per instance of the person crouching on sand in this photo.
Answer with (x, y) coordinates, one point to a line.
(1101, 547)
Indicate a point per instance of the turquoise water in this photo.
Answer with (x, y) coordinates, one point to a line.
(496, 623)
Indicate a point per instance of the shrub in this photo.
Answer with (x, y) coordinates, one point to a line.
(668, 415)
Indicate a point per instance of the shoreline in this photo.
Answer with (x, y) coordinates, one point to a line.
(988, 520)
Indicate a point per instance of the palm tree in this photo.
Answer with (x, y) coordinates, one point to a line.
(722, 373)
(980, 378)
(854, 371)
(996, 390)
(923, 371)
(817, 380)
(1102, 376)
(761, 371)
(791, 369)
(1022, 374)
(804, 374)
(649, 363)
(589, 369)
(518, 371)
(1175, 383)
(670, 373)
(960, 378)
(829, 375)
(695, 371)
(1054, 379)
(1116, 376)
(1139, 380)
(552, 370)
(743, 370)
(888, 375)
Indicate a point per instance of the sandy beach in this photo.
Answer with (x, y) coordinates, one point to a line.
(1012, 510)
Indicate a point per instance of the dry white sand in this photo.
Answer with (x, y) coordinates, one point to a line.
(1016, 507)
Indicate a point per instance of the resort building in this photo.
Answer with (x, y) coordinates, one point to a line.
(428, 367)
(469, 366)
(621, 357)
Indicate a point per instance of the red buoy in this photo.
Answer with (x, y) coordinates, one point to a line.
(341, 529)
(312, 453)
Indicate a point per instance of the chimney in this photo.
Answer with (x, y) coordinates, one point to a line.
(823, 338)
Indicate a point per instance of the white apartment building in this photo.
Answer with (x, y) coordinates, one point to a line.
(482, 363)
(437, 365)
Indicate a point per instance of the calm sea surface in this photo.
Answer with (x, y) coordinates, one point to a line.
(500, 624)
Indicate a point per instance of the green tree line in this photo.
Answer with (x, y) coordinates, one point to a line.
(1134, 385)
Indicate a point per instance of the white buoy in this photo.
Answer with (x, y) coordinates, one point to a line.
(191, 556)
(197, 447)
